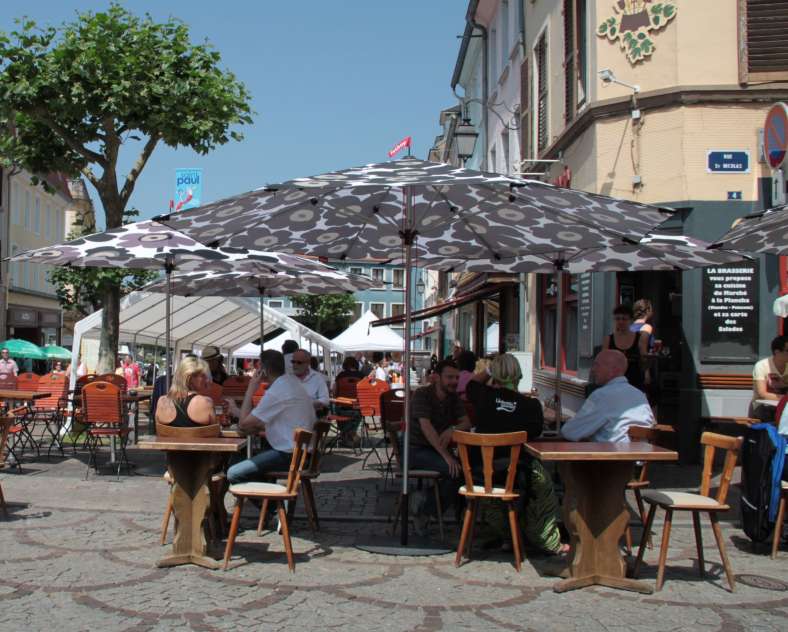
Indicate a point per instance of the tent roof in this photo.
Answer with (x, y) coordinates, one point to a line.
(227, 323)
(361, 337)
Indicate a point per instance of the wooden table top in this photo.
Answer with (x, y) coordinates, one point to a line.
(22, 395)
(199, 444)
(598, 451)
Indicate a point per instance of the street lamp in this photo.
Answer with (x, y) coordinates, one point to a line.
(465, 136)
(607, 76)
(420, 287)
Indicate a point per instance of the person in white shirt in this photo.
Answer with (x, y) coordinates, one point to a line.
(7, 365)
(314, 382)
(284, 407)
(289, 347)
(612, 409)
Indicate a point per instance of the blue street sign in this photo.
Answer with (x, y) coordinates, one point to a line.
(734, 195)
(188, 188)
(728, 161)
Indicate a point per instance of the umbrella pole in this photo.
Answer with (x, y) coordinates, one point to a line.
(168, 267)
(408, 236)
(262, 319)
(559, 324)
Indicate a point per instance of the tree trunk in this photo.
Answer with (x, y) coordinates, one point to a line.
(110, 323)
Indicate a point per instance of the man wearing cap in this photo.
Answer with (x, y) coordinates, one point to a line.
(215, 363)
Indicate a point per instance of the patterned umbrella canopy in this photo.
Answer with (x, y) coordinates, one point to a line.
(766, 231)
(458, 215)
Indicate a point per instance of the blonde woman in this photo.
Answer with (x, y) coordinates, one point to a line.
(500, 408)
(183, 406)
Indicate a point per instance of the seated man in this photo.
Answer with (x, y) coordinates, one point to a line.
(314, 382)
(770, 378)
(612, 408)
(436, 411)
(285, 407)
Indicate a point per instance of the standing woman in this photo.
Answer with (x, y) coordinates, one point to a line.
(642, 313)
(183, 406)
(633, 344)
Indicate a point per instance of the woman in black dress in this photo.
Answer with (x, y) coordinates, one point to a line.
(633, 344)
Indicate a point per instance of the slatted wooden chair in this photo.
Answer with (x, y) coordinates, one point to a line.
(235, 386)
(27, 382)
(77, 427)
(113, 378)
(368, 392)
(7, 382)
(222, 408)
(272, 491)
(259, 393)
(392, 414)
(487, 490)
(695, 503)
(49, 412)
(310, 473)
(345, 411)
(24, 415)
(102, 412)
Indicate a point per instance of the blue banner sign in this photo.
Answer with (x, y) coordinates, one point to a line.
(728, 161)
(188, 188)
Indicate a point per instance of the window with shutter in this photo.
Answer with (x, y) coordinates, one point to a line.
(574, 56)
(763, 54)
(525, 117)
(542, 131)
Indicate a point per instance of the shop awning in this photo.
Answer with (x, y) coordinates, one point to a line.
(447, 306)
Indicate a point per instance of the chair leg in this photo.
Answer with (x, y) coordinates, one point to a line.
(628, 539)
(514, 526)
(642, 512)
(286, 535)
(261, 519)
(309, 504)
(663, 550)
(3, 506)
(641, 549)
(715, 526)
(437, 493)
(698, 542)
(474, 515)
(165, 523)
(228, 550)
(467, 525)
(778, 525)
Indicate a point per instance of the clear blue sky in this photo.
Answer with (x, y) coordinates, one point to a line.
(334, 84)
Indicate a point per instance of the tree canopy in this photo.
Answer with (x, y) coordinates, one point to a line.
(327, 314)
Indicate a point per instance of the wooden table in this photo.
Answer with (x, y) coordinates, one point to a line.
(23, 396)
(595, 512)
(134, 399)
(191, 463)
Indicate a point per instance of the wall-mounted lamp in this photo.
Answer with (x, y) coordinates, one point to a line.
(607, 77)
(420, 287)
(465, 136)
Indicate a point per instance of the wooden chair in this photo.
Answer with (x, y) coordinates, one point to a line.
(27, 382)
(392, 430)
(235, 386)
(51, 411)
(76, 406)
(113, 378)
(344, 413)
(368, 393)
(272, 491)
(7, 382)
(392, 413)
(346, 387)
(102, 412)
(259, 393)
(653, 435)
(310, 473)
(473, 492)
(778, 525)
(216, 393)
(5, 426)
(695, 503)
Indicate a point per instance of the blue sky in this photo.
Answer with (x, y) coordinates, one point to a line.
(334, 84)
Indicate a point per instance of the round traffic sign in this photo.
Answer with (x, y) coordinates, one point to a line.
(775, 135)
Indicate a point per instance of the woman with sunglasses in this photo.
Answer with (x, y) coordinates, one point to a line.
(633, 344)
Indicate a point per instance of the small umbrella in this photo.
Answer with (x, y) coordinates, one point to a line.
(18, 348)
(762, 232)
(55, 352)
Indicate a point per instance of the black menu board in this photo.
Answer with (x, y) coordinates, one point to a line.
(729, 324)
(585, 314)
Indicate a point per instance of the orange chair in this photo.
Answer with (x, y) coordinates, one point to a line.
(102, 412)
(7, 382)
(27, 382)
(259, 393)
(50, 411)
(112, 378)
(272, 491)
(216, 393)
(368, 392)
(474, 493)
(344, 412)
(346, 387)
(235, 386)
(5, 426)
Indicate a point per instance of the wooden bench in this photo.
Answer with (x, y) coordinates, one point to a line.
(725, 381)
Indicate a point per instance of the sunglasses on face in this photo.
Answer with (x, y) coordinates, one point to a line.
(299, 362)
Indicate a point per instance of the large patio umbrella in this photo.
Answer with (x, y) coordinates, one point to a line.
(149, 245)
(410, 210)
(761, 232)
(55, 352)
(19, 348)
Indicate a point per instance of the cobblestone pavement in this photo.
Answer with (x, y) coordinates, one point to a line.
(79, 555)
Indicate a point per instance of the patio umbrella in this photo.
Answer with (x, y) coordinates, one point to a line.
(18, 348)
(410, 210)
(55, 352)
(762, 232)
(150, 245)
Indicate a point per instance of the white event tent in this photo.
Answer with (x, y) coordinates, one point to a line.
(227, 323)
(361, 337)
(251, 350)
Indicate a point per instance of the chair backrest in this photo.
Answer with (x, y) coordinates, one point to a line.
(346, 387)
(56, 384)
(301, 440)
(214, 391)
(236, 385)
(27, 382)
(392, 406)
(198, 432)
(117, 380)
(5, 425)
(259, 393)
(319, 432)
(368, 394)
(487, 443)
(7, 381)
(101, 403)
(731, 445)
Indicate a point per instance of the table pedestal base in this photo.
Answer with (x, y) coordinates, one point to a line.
(198, 560)
(596, 515)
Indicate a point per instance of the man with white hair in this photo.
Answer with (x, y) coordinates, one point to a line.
(314, 382)
(612, 409)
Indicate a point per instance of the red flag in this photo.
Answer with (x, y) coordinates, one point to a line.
(405, 142)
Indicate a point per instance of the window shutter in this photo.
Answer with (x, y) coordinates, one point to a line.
(569, 60)
(542, 94)
(763, 43)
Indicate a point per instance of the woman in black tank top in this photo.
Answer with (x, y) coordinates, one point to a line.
(633, 345)
(183, 406)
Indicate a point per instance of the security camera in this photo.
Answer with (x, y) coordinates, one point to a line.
(606, 75)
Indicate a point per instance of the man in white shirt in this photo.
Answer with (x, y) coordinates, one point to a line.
(612, 409)
(314, 382)
(284, 407)
(7, 365)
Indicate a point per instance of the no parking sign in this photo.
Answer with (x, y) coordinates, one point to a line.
(775, 135)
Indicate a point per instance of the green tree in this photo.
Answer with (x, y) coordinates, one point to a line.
(81, 289)
(72, 97)
(327, 314)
